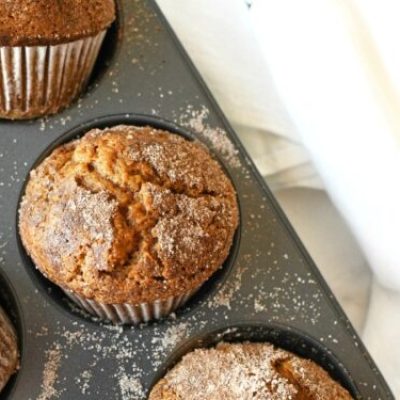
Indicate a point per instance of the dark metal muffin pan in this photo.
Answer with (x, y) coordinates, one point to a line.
(269, 288)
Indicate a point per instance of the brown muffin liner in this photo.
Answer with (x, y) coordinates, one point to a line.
(131, 313)
(40, 80)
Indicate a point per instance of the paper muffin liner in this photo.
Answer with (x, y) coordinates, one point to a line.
(131, 313)
(40, 80)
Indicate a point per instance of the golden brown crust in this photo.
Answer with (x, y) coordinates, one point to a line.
(247, 371)
(129, 215)
(8, 350)
(45, 22)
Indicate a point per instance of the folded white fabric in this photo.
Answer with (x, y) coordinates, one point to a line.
(332, 80)
(219, 38)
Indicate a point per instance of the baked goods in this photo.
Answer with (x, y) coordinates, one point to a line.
(247, 371)
(47, 52)
(129, 221)
(8, 350)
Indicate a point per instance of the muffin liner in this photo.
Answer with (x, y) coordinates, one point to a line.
(131, 313)
(40, 80)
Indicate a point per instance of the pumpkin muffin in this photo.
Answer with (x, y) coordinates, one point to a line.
(47, 52)
(8, 350)
(129, 221)
(247, 371)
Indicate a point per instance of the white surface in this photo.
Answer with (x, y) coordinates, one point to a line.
(337, 95)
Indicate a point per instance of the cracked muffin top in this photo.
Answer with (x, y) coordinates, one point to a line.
(247, 371)
(128, 215)
(45, 22)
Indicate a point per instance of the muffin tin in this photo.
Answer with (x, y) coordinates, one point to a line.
(269, 288)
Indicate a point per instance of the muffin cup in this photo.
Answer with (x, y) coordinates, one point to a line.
(41, 80)
(131, 313)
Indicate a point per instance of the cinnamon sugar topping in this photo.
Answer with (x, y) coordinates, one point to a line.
(129, 215)
(81, 219)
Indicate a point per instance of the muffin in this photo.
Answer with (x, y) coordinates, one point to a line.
(47, 52)
(129, 221)
(8, 350)
(247, 371)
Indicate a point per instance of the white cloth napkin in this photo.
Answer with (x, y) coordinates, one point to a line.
(308, 78)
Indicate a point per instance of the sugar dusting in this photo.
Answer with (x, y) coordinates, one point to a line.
(50, 374)
(226, 294)
(216, 137)
(171, 337)
(83, 380)
(230, 372)
(102, 344)
(80, 218)
(247, 371)
(130, 386)
(167, 341)
(101, 347)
